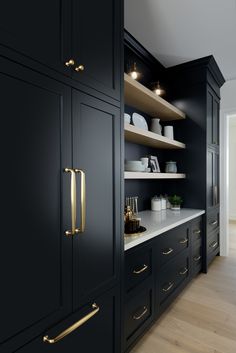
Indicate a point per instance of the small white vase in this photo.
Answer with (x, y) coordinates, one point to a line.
(156, 126)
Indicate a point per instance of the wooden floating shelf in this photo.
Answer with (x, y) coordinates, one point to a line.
(143, 175)
(148, 138)
(140, 97)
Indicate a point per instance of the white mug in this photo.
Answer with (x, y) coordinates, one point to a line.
(169, 132)
(145, 161)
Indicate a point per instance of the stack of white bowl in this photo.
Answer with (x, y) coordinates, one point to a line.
(135, 166)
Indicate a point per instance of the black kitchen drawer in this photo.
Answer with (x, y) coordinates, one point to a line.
(138, 266)
(139, 311)
(213, 219)
(172, 242)
(196, 260)
(172, 275)
(213, 245)
(196, 232)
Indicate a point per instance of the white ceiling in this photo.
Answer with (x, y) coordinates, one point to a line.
(176, 31)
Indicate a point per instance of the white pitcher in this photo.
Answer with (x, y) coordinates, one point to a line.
(156, 126)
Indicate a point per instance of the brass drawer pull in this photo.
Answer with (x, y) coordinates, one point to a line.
(197, 258)
(74, 230)
(73, 327)
(170, 285)
(198, 231)
(168, 251)
(184, 271)
(141, 315)
(144, 268)
(183, 241)
(214, 223)
(214, 244)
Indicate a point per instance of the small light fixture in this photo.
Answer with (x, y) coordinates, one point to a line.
(133, 72)
(157, 89)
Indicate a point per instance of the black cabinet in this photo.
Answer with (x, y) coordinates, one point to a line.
(151, 283)
(212, 177)
(60, 151)
(79, 39)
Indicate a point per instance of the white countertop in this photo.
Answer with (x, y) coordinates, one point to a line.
(160, 222)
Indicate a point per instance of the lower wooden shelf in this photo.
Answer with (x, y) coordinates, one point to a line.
(143, 175)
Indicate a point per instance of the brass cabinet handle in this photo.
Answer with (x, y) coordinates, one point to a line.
(170, 285)
(184, 271)
(141, 315)
(214, 223)
(82, 201)
(183, 241)
(167, 251)
(79, 68)
(197, 258)
(144, 268)
(70, 62)
(73, 327)
(214, 244)
(75, 230)
(198, 231)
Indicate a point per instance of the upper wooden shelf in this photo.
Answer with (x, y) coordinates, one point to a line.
(148, 138)
(143, 175)
(140, 97)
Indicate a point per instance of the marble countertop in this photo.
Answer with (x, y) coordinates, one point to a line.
(160, 222)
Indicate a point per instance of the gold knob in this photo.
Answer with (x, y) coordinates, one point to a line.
(79, 68)
(71, 62)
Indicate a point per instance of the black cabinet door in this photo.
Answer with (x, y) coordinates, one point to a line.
(100, 333)
(213, 108)
(212, 177)
(39, 30)
(96, 44)
(35, 145)
(96, 151)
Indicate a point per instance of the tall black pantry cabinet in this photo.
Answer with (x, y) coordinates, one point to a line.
(196, 87)
(61, 174)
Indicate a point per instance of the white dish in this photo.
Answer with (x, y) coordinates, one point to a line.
(135, 168)
(139, 121)
(127, 118)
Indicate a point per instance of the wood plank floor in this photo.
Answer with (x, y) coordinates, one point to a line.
(203, 318)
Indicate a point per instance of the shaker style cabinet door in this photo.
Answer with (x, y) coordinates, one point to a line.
(37, 29)
(35, 255)
(212, 178)
(96, 44)
(213, 109)
(96, 151)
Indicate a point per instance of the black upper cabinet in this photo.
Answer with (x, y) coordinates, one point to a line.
(65, 35)
(96, 44)
(96, 146)
(37, 29)
(35, 255)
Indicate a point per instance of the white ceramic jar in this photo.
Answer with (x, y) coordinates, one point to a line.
(171, 167)
(156, 204)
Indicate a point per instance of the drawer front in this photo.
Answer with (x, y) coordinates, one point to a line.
(172, 242)
(138, 312)
(196, 231)
(213, 219)
(172, 275)
(138, 266)
(213, 244)
(196, 260)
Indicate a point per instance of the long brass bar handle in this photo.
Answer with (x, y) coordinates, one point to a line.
(82, 201)
(73, 202)
(73, 327)
(144, 268)
(135, 317)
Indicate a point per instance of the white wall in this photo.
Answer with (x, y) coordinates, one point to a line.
(228, 96)
(232, 168)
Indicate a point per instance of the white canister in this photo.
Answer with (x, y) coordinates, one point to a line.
(171, 167)
(169, 132)
(163, 203)
(145, 161)
(156, 204)
(156, 126)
